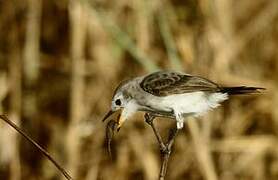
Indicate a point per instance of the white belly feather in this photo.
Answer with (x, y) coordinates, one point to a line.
(195, 103)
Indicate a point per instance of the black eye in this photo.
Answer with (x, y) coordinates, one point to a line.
(118, 102)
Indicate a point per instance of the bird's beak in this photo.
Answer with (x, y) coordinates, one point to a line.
(120, 118)
(120, 121)
(107, 115)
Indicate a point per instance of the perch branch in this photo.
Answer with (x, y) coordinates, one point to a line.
(165, 149)
(42, 150)
(166, 153)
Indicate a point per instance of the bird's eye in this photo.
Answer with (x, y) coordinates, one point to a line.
(118, 102)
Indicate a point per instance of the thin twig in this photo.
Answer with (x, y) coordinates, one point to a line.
(149, 119)
(42, 150)
(167, 152)
(165, 149)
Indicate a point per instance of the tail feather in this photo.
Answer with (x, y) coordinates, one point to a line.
(241, 90)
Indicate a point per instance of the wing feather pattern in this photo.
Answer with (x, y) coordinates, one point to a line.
(165, 83)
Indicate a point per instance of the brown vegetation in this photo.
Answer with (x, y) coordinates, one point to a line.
(60, 61)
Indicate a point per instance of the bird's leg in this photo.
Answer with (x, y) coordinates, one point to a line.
(167, 151)
(149, 119)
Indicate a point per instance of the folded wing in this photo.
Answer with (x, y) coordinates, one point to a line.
(169, 83)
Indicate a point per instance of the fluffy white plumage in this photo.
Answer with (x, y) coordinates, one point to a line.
(192, 103)
(195, 104)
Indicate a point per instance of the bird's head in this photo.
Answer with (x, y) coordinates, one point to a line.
(122, 101)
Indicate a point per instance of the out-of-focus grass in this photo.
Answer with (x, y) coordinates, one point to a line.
(81, 50)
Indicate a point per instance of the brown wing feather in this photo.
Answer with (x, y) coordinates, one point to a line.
(167, 83)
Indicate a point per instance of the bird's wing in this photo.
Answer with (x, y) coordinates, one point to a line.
(168, 83)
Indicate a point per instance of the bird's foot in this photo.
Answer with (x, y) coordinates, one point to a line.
(149, 118)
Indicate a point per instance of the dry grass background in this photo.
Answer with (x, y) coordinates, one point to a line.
(61, 60)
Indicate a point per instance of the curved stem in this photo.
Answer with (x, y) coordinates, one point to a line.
(42, 150)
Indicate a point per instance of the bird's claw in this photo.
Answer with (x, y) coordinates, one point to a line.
(149, 118)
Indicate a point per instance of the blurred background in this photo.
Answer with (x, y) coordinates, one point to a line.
(61, 60)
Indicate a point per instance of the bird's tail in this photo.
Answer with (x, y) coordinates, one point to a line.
(241, 90)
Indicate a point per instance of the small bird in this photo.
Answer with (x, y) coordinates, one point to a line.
(170, 94)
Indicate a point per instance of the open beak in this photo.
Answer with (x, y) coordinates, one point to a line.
(107, 115)
(120, 121)
(120, 118)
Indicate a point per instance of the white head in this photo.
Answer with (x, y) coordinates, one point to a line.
(122, 101)
(119, 100)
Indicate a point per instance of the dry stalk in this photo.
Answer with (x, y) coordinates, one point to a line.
(15, 90)
(202, 151)
(77, 17)
(42, 150)
(165, 148)
(31, 63)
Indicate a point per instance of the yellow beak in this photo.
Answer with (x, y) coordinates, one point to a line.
(120, 121)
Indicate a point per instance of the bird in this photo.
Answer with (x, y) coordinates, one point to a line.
(171, 94)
